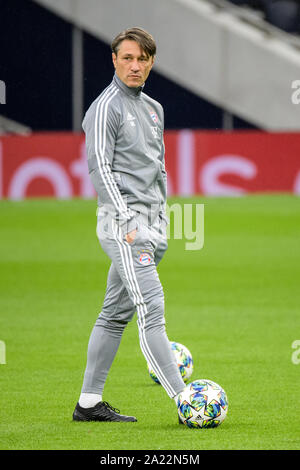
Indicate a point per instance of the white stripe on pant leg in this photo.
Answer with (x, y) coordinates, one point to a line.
(141, 309)
(131, 285)
(124, 264)
(145, 347)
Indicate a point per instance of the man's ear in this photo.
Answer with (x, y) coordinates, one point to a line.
(114, 58)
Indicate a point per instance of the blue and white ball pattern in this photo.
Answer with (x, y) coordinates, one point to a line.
(184, 361)
(202, 404)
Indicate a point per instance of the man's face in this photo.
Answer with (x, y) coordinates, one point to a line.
(132, 64)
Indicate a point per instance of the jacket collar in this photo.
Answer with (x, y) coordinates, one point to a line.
(135, 92)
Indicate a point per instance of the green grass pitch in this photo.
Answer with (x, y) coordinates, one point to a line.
(234, 304)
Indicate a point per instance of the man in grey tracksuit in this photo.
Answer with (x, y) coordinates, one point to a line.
(125, 148)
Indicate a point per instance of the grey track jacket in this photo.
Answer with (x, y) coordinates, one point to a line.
(125, 150)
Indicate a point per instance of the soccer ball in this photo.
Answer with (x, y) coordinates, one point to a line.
(202, 404)
(184, 360)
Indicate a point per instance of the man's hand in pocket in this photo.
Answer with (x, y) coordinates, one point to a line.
(131, 236)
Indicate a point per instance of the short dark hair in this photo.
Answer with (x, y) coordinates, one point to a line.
(139, 35)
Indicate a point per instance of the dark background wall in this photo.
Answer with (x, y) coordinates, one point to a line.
(36, 65)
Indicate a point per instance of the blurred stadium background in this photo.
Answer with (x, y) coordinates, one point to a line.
(228, 76)
(224, 75)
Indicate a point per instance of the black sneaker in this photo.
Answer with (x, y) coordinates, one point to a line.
(103, 411)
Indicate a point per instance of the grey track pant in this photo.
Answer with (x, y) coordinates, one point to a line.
(133, 286)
